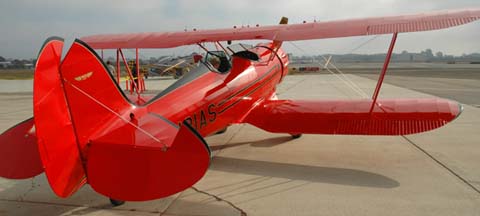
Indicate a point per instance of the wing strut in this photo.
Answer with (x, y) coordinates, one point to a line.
(130, 74)
(384, 71)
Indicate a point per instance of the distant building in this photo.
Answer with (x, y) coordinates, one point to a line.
(5, 64)
(28, 65)
(420, 58)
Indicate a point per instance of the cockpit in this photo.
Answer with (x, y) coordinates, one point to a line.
(217, 61)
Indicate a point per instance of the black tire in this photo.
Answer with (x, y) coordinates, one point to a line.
(296, 136)
(115, 202)
(222, 131)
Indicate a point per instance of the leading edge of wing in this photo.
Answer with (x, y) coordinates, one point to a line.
(305, 31)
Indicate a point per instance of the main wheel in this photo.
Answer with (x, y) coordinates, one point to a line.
(115, 202)
(296, 136)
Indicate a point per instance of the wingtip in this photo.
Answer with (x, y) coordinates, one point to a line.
(460, 111)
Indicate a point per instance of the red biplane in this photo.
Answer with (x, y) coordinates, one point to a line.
(86, 130)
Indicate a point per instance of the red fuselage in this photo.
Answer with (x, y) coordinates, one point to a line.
(213, 101)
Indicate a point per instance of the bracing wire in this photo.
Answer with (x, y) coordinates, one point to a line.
(363, 44)
(348, 81)
(345, 79)
(113, 112)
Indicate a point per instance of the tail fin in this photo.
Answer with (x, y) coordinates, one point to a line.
(57, 142)
(86, 126)
(129, 153)
(92, 95)
(71, 102)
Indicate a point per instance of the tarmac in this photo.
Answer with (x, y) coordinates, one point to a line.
(255, 172)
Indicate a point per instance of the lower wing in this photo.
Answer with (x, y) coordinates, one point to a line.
(354, 117)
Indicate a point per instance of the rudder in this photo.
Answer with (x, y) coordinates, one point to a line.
(56, 139)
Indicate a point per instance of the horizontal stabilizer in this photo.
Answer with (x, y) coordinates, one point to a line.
(125, 166)
(353, 117)
(19, 157)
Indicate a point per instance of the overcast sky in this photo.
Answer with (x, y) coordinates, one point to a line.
(24, 25)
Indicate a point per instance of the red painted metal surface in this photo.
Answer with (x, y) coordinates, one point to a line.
(57, 142)
(127, 148)
(306, 31)
(19, 156)
(135, 149)
(130, 146)
(213, 101)
(144, 169)
(94, 100)
(353, 117)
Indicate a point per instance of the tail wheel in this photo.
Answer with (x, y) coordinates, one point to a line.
(115, 202)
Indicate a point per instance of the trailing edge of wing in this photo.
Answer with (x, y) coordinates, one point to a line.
(306, 31)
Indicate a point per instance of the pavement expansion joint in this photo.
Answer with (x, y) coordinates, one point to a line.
(170, 204)
(442, 165)
(219, 199)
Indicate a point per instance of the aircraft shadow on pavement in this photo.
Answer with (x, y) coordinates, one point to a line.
(330, 175)
(265, 143)
(86, 201)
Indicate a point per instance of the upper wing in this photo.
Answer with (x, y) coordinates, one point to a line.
(305, 31)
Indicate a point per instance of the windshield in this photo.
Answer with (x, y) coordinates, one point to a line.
(190, 76)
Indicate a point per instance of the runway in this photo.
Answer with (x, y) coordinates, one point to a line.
(255, 172)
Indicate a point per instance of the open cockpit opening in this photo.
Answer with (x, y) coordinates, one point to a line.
(133, 75)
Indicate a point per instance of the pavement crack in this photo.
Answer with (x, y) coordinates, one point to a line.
(219, 199)
(32, 187)
(170, 204)
(442, 164)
